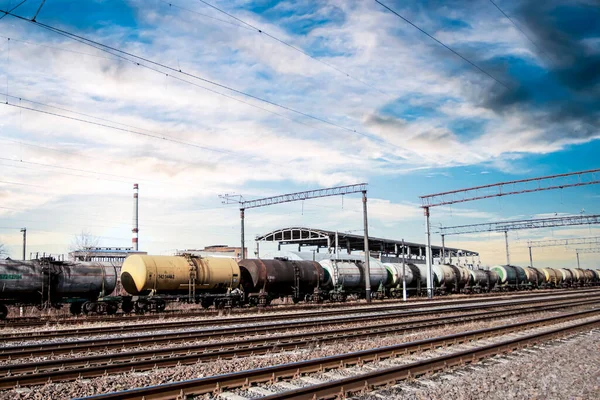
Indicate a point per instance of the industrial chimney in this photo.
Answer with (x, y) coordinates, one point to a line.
(135, 229)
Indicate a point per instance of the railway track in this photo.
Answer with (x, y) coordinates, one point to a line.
(373, 379)
(40, 372)
(397, 310)
(35, 321)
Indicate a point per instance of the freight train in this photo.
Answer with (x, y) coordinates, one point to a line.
(153, 281)
(47, 282)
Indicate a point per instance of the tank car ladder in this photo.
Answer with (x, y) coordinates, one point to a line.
(192, 280)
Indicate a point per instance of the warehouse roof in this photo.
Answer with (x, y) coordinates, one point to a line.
(351, 242)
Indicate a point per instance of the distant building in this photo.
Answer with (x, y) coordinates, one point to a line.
(218, 250)
(113, 255)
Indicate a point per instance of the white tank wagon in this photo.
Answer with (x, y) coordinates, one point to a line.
(412, 276)
(348, 276)
(49, 282)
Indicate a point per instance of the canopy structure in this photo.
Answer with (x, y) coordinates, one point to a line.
(348, 242)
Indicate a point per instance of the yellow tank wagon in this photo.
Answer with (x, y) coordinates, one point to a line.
(185, 276)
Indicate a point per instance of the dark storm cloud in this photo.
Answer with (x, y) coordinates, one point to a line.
(568, 91)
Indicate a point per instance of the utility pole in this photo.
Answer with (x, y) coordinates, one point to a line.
(443, 260)
(578, 260)
(428, 256)
(507, 253)
(530, 258)
(403, 274)
(242, 256)
(24, 231)
(367, 261)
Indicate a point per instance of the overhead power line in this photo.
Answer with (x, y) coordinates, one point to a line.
(444, 45)
(12, 9)
(19, 184)
(111, 50)
(205, 15)
(291, 46)
(155, 136)
(519, 28)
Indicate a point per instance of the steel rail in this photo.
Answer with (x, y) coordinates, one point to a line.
(369, 381)
(36, 373)
(36, 350)
(36, 335)
(215, 384)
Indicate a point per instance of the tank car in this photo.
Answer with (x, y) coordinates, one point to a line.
(534, 277)
(509, 277)
(589, 276)
(551, 277)
(348, 277)
(182, 278)
(445, 278)
(50, 282)
(567, 277)
(264, 280)
(394, 280)
(482, 280)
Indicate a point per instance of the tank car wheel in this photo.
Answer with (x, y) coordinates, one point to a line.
(112, 308)
(89, 307)
(205, 303)
(76, 308)
(160, 305)
(3, 311)
(141, 307)
(127, 307)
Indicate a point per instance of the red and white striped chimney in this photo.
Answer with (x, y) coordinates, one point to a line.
(135, 229)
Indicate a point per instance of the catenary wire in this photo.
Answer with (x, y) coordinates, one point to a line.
(110, 49)
(205, 15)
(519, 28)
(120, 58)
(162, 137)
(12, 9)
(444, 45)
(59, 48)
(283, 42)
(19, 184)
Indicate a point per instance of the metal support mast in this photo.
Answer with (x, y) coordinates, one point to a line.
(367, 255)
(530, 258)
(403, 273)
(242, 254)
(428, 256)
(550, 182)
(507, 251)
(538, 223)
(309, 194)
(561, 242)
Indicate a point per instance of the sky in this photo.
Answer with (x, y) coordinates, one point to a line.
(272, 97)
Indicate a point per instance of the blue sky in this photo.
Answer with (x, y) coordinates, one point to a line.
(392, 108)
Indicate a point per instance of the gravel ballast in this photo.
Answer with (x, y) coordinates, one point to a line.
(558, 370)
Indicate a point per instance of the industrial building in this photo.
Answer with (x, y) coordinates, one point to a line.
(113, 255)
(386, 250)
(217, 250)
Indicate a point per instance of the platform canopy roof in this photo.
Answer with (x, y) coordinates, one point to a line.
(302, 236)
